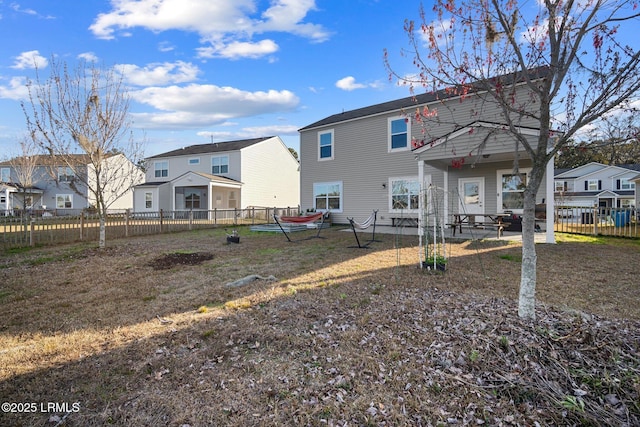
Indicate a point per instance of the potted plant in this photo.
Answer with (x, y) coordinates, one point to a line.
(435, 262)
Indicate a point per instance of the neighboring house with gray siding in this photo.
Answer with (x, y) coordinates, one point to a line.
(379, 158)
(61, 190)
(597, 184)
(259, 172)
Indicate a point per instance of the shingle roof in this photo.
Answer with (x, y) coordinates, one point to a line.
(51, 160)
(212, 147)
(421, 99)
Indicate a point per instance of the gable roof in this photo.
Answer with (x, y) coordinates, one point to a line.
(214, 147)
(575, 173)
(52, 160)
(424, 98)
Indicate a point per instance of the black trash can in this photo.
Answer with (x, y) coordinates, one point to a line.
(514, 221)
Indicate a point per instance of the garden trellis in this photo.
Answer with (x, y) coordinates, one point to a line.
(432, 227)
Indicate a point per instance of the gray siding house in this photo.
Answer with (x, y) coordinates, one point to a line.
(597, 184)
(383, 157)
(259, 172)
(57, 189)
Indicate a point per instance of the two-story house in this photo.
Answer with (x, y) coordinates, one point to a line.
(46, 183)
(597, 184)
(382, 158)
(260, 172)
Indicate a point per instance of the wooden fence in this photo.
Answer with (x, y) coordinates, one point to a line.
(621, 222)
(50, 230)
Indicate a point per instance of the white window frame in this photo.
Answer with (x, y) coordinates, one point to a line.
(627, 203)
(627, 184)
(560, 186)
(220, 165)
(412, 180)
(65, 174)
(317, 185)
(592, 183)
(148, 200)
(64, 198)
(332, 145)
(500, 174)
(194, 161)
(5, 174)
(161, 169)
(390, 133)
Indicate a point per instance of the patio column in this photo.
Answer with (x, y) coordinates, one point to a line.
(550, 234)
(421, 206)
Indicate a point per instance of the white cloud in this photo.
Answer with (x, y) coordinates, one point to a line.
(88, 56)
(226, 25)
(199, 105)
(17, 8)
(30, 59)
(287, 15)
(236, 50)
(165, 46)
(349, 83)
(16, 90)
(158, 74)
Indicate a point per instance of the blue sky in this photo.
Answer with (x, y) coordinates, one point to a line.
(203, 69)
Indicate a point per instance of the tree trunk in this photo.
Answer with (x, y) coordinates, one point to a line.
(102, 241)
(527, 297)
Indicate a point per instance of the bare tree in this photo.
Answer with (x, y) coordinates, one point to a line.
(82, 113)
(25, 171)
(589, 72)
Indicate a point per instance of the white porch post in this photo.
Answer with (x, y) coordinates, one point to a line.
(8, 205)
(550, 235)
(421, 206)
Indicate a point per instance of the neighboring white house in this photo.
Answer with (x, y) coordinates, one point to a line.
(260, 172)
(596, 184)
(60, 190)
(378, 158)
(636, 181)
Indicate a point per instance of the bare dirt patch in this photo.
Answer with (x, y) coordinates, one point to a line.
(345, 336)
(176, 259)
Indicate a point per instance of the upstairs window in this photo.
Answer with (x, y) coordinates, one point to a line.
(161, 169)
(625, 184)
(593, 185)
(560, 186)
(194, 161)
(398, 134)
(5, 175)
(325, 145)
(65, 174)
(220, 165)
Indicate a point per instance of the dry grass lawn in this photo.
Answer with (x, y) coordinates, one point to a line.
(145, 333)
